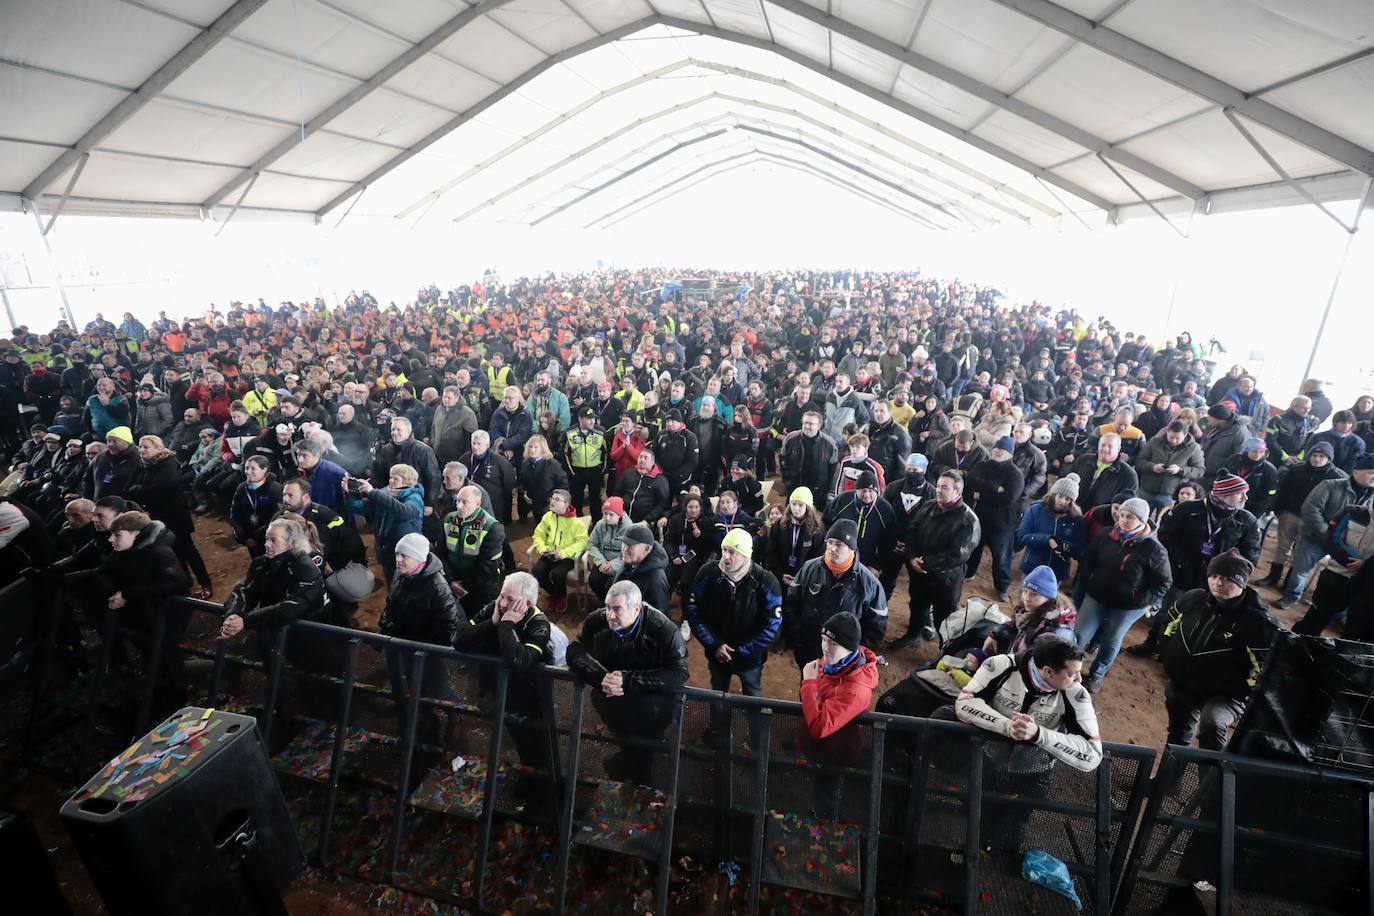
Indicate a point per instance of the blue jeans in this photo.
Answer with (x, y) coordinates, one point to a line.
(1108, 626)
(1305, 556)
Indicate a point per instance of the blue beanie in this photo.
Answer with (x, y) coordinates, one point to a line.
(1042, 581)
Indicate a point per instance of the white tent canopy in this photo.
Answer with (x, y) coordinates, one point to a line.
(957, 113)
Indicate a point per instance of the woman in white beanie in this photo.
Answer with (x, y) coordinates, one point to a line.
(420, 607)
(1125, 573)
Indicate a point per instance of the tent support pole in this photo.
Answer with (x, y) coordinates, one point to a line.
(52, 264)
(1340, 272)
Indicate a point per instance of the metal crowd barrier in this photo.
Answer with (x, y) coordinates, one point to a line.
(917, 802)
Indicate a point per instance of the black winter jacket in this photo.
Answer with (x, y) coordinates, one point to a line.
(525, 646)
(646, 496)
(1298, 481)
(1126, 574)
(677, 454)
(1186, 531)
(1118, 481)
(998, 486)
(944, 537)
(146, 574)
(888, 444)
(652, 657)
(110, 474)
(278, 590)
(1213, 648)
(421, 607)
(651, 576)
(745, 615)
(816, 594)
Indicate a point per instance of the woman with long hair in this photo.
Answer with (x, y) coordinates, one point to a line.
(689, 541)
(799, 537)
(540, 475)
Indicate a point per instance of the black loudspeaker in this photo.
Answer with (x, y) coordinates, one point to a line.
(24, 864)
(188, 819)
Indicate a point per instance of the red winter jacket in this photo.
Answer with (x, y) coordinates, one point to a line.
(830, 703)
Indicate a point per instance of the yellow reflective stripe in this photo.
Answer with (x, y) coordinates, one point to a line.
(535, 648)
(334, 524)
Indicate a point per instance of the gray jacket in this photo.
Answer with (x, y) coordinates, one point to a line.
(154, 416)
(603, 544)
(1188, 456)
(1323, 504)
(1221, 450)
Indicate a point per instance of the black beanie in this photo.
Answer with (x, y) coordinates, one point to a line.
(843, 629)
(845, 531)
(1231, 565)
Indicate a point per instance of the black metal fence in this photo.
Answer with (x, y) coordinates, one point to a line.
(491, 786)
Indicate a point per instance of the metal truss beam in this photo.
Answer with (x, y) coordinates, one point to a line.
(764, 107)
(979, 89)
(1158, 64)
(797, 57)
(356, 95)
(676, 188)
(132, 104)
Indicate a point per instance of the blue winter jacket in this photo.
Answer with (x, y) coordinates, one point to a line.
(1038, 526)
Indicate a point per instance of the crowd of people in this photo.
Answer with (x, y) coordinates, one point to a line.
(751, 466)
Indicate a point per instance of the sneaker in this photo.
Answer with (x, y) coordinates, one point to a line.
(1002, 597)
(1093, 683)
(686, 631)
(1285, 603)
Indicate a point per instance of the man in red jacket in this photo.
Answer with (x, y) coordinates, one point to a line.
(835, 689)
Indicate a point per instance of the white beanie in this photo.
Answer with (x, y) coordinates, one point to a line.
(413, 545)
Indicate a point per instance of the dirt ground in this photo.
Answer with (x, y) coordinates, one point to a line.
(1130, 706)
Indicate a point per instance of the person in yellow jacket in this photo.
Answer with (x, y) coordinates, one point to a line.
(559, 539)
(261, 400)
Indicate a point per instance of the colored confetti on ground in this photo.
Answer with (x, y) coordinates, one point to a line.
(308, 753)
(812, 854)
(624, 818)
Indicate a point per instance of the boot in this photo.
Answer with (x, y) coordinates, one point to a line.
(1275, 576)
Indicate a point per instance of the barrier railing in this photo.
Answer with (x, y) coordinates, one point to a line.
(914, 810)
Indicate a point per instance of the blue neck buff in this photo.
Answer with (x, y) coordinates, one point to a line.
(842, 663)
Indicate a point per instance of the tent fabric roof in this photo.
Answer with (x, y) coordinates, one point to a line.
(953, 112)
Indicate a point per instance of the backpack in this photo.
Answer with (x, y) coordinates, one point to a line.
(976, 610)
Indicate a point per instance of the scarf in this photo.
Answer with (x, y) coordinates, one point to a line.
(631, 629)
(1125, 536)
(1038, 683)
(843, 663)
(839, 570)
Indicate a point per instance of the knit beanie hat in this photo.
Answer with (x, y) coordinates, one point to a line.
(1231, 565)
(738, 540)
(1006, 444)
(802, 495)
(1227, 483)
(122, 433)
(614, 504)
(917, 461)
(1137, 507)
(845, 531)
(1254, 442)
(1221, 412)
(1325, 448)
(843, 629)
(1042, 581)
(1066, 486)
(413, 545)
(866, 480)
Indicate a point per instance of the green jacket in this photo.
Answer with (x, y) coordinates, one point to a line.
(472, 551)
